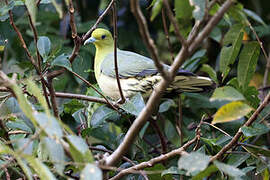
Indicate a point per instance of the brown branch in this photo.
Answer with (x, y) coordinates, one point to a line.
(174, 23)
(148, 41)
(11, 20)
(80, 97)
(122, 98)
(52, 95)
(43, 81)
(234, 140)
(79, 41)
(154, 99)
(88, 34)
(72, 20)
(212, 23)
(161, 136)
(167, 33)
(179, 120)
(93, 87)
(155, 160)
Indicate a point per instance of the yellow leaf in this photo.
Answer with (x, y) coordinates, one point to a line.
(231, 111)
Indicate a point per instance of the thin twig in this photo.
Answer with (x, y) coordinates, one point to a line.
(122, 98)
(52, 95)
(167, 33)
(161, 136)
(148, 41)
(267, 58)
(174, 23)
(11, 20)
(217, 129)
(43, 81)
(239, 133)
(155, 160)
(179, 120)
(80, 97)
(79, 41)
(161, 87)
(93, 87)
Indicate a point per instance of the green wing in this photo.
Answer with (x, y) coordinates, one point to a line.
(129, 65)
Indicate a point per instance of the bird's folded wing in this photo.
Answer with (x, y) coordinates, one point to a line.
(129, 65)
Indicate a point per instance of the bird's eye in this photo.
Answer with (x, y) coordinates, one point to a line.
(103, 36)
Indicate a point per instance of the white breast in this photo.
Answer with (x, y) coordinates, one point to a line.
(129, 86)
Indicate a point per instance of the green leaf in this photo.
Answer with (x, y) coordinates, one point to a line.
(231, 111)
(227, 93)
(79, 150)
(42, 170)
(183, 10)
(103, 114)
(156, 9)
(134, 105)
(32, 8)
(216, 34)
(44, 46)
(205, 173)
(63, 61)
(210, 71)
(257, 150)
(4, 11)
(165, 106)
(231, 48)
(237, 159)
(228, 169)
(254, 16)
(198, 160)
(73, 106)
(18, 124)
(50, 125)
(247, 63)
(33, 88)
(172, 170)
(56, 153)
(255, 130)
(58, 8)
(91, 171)
(198, 12)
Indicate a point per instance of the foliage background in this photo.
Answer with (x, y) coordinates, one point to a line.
(103, 128)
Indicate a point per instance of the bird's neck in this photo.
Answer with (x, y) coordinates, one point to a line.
(101, 53)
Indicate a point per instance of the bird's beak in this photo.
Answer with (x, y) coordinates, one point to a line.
(90, 40)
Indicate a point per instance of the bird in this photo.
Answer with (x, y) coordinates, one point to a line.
(137, 73)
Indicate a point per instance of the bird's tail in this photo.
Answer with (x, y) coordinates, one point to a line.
(191, 83)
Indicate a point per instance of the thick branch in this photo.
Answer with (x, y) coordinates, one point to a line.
(161, 87)
(148, 41)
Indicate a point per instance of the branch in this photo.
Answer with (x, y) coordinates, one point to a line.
(21, 39)
(148, 41)
(166, 32)
(93, 87)
(161, 87)
(210, 25)
(43, 81)
(79, 41)
(122, 98)
(174, 23)
(239, 133)
(155, 160)
(52, 95)
(80, 97)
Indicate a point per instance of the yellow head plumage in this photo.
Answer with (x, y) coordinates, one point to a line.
(101, 38)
